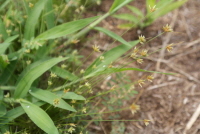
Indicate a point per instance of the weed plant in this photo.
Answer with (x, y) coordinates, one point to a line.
(44, 84)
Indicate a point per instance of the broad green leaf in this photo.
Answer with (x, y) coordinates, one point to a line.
(6, 43)
(167, 8)
(115, 70)
(49, 97)
(33, 18)
(64, 73)
(32, 73)
(128, 17)
(113, 35)
(70, 95)
(65, 29)
(50, 17)
(7, 72)
(2, 110)
(14, 113)
(109, 56)
(39, 117)
(3, 30)
(136, 11)
(126, 26)
(118, 4)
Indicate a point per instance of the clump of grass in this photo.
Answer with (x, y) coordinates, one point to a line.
(50, 86)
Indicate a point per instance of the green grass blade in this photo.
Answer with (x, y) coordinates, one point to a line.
(70, 95)
(126, 26)
(118, 4)
(1, 93)
(128, 17)
(3, 30)
(113, 35)
(2, 110)
(39, 117)
(115, 70)
(32, 73)
(167, 8)
(109, 57)
(65, 29)
(2, 7)
(50, 17)
(136, 11)
(14, 113)
(33, 18)
(49, 97)
(7, 72)
(64, 73)
(6, 44)
(3, 47)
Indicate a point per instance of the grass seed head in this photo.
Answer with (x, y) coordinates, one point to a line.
(134, 108)
(96, 48)
(144, 53)
(140, 61)
(150, 78)
(56, 102)
(142, 39)
(152, 9)
(50, 83)
(169, 47)
(141, 82)
(146, 122)
(167, 28)
(31, 5)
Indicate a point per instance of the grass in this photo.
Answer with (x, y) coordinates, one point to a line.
(46, 89)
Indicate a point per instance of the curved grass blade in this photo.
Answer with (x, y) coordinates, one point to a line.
(32, 73)
(64, 73)
(128, 17)
(113, 35)
(39, 117)
(33, 18)
(117, 4)
(136, 11)
(115, 70)
(65, 29)
(14, 113)
(49, 97)
(3, 30)
(167, 8)
(70, 95)
(2, 110)
(6, 44)
(8, 72)
(50, 18)
(109, 57)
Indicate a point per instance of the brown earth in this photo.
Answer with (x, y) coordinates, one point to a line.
(171, 100)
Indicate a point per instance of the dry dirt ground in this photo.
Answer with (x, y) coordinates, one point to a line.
(170, 102)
